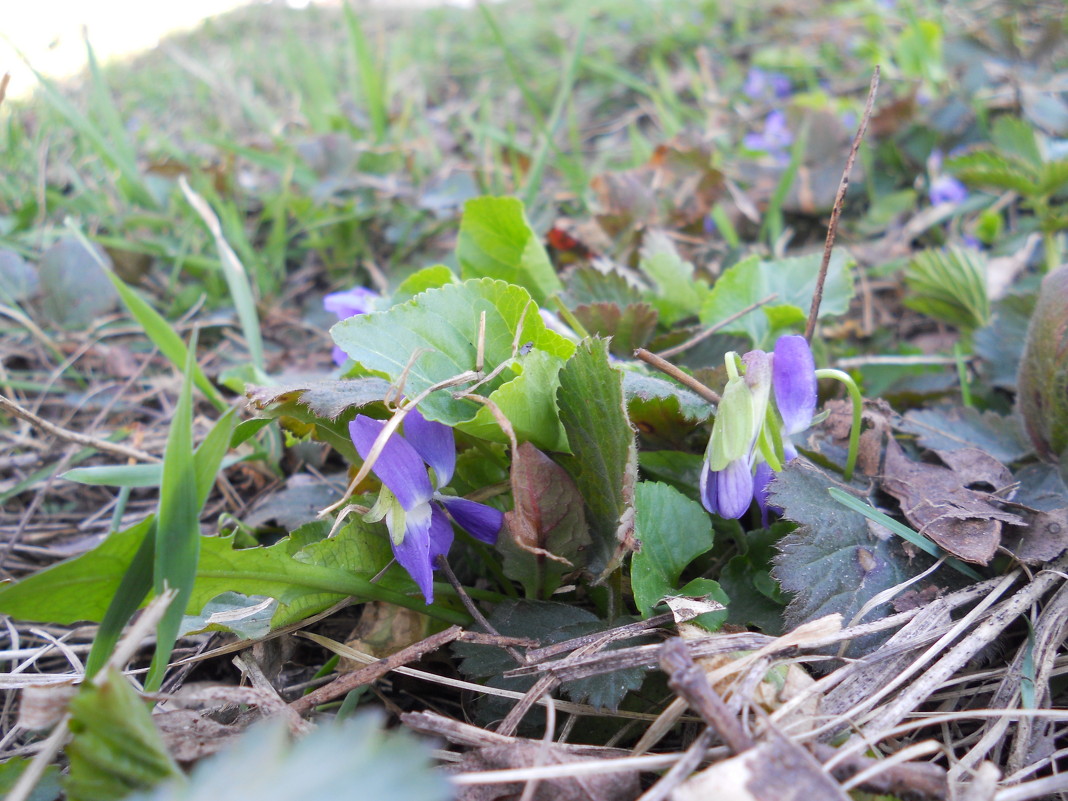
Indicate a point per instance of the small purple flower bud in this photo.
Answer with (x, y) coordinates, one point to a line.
(727, 492)
(947, 189)
(794, 383)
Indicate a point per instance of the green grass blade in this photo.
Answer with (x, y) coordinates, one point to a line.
(113, 154)
(178, 526)
(371, 75)
(156, 328)
(135, 585)
(547, 145)
(208, 458)
(236, 277)
(901, 530)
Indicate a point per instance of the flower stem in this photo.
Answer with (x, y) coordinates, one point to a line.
(858, 410)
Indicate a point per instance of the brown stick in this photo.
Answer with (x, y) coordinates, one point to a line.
(691, 683)
(836, 210)
(668, 368)
(376, 670)
(701, 337)
(101, 445)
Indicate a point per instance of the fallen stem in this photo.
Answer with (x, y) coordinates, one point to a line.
(101, 445)
(701, 337)
(666, 367)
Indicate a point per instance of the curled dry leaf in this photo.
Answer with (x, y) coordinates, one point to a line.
(939, 504)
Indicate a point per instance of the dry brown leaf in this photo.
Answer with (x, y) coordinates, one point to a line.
(938, 503)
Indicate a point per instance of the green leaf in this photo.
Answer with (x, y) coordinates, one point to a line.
(433, 338)
(755, 597)
(233, 613)
(529, 403)
(115, 749)
(1000, 344)
(673, 531)
(604, 461)
(950, 429)
(420, 281)
(336, 760)
(834, 561)
(630, 327)
(949, 285)
(178, 520)
(327, 398)
(679, 469)
(1015, 138)
(987, 169)
(47, 789)
(74, 286)
(18, 280)
(678, 294)
(792, 281)
(306, 572)
(496, 241)
(663, 412)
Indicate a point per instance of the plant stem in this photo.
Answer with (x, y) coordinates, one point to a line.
(858, 410)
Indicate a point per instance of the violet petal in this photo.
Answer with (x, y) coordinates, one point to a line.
(441, 535)
(434, 442)
(358, 300)
(398, 466)
(794, 383)
(477, 519)
(414, 551)
(734, 489)
(708, 488)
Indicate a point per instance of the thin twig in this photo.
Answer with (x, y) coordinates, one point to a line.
(73, 436)
(701, 337)
(668, 368)
(836, 210)
(376, 670)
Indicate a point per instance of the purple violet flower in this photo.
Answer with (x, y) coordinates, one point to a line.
(734, 472)
(775, 139)
(947, 189)
(418, 521)
(793, 380)
(758, 82)
(358, 300)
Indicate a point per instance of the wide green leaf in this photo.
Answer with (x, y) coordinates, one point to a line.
(306, 573)
(496, 241)
(678, 294)
(434, 338)
(604, 460)
(673, 531)
(792, 281)
(835, 561)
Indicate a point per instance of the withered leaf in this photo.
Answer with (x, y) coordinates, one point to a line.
(326, 398)
(938, 503)
(630, 326)
(592, 787)
(547, 525)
